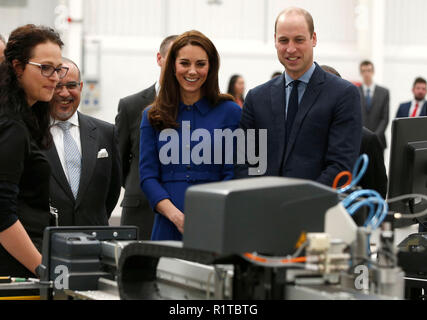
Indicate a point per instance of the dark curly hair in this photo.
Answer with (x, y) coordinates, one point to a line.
(13, 99)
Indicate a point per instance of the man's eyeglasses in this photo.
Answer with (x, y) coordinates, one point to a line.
(47, 70)
(69, 85)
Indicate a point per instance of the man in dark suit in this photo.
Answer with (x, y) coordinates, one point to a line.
(136, 210)
(418, 106)
(85, 162)
(375, 102)
(314, 125)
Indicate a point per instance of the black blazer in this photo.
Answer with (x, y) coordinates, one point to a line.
(377, 117)
(100, 179)
(136, 210)
(376, 176)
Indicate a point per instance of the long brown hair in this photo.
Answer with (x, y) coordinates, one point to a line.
(164, 112)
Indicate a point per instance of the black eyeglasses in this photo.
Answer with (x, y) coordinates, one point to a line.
(47, 70)
(69, 85)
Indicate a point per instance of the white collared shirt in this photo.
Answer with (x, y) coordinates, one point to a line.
(371, 90)
(58, 138)
(420, 106)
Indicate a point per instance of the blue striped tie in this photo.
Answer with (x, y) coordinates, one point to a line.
(73, 158)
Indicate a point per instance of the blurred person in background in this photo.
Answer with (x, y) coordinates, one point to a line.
(374, 101)
(30, 73)
(416, 107)
(189, 99)
(236, 87)
(276, 74)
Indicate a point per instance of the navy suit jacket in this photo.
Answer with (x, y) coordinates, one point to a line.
(403, 111)
(326, 134)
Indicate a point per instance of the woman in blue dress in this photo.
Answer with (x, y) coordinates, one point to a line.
(178, 146)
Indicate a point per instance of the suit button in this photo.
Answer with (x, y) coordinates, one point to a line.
(188, 167)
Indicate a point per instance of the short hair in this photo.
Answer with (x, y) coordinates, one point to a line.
(276, 74)
(330, 70)
(304, 13)
(419, 80)
(68, 60)
(165, 43)
(2, 39)
(365, 63)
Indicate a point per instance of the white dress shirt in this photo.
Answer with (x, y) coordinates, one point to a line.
(420, 106)
(58, 138)
(371, 90)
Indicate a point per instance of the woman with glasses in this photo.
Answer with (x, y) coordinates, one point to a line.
(29, 74)
(189, 104)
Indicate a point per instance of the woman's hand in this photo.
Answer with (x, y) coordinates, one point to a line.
(168, 209)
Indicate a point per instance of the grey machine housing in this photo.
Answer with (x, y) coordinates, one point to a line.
(266, 215)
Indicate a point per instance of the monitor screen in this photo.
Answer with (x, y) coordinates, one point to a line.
(408, 166)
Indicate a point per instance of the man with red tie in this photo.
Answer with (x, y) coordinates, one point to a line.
(418, 106)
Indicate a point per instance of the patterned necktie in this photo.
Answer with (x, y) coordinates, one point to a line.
(292, 108)
(72, 158)
(414, 113)
(368, 98)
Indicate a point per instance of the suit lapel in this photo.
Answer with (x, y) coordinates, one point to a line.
(424, 110)
(89, 143)
(310, 95)
(58, 171)
(278, 111)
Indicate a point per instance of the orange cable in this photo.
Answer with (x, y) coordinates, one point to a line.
(338, 178)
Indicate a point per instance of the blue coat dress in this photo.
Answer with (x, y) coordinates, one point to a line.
(170, 160)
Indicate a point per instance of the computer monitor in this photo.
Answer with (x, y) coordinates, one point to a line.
(408, 166)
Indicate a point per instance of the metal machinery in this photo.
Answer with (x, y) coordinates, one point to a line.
(260, 238)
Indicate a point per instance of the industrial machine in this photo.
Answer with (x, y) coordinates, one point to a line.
(260, 238)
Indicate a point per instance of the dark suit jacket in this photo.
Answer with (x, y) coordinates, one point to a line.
(136, 210)
(100, 178)
(326, 134)
(377, 117)
(403, 111)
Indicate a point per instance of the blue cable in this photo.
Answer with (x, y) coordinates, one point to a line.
(357, 176)
(355, 207)
(359, 193)
(383, 216)
(374, 219)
